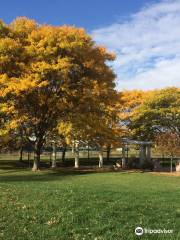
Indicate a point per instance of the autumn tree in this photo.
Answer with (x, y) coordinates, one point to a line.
(128, 102)
(55, 139)
(169, 144)
(159, 113)
(97, 128)
(4, 136)
(47, 73)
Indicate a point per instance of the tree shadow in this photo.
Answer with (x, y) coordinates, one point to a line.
(13, 164)
(40, 177)
(15, 171)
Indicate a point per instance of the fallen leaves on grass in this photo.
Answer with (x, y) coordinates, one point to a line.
(52, 221)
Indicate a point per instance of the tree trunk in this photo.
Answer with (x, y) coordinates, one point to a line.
(76, 163)
(88, 152)
(50, 158)
(123, 157)
(21, 154)
(38, 146)
(64, 153)
(36, 165)
(54, 155)
(100, 158)
(75, 152)
(108, 152)
(171, 164)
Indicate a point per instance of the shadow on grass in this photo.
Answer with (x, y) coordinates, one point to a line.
(16, 171)
(28, 176)
(13, 164)
(25, 164)
(52, 175)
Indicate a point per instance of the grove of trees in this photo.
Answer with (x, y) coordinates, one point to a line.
(57, 86)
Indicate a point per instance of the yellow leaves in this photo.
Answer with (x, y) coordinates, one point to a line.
(16, 85)
(45, 72)
(4, 108)
(3, 134)
(4, 31)
(13, 124)
(52, 221)
(10, 56)
(71, 34)
(64, 64)
(43, 84)
(129, 101)
(9, 46)
(65, 128)
(4, 78)
(23, 25)
(132, 98)
(58, 74)
(41, 67)
(49, 40)
(3, 82)
(6, 128)
(103, 52)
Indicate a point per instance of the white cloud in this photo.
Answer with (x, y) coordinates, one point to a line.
(147, 46)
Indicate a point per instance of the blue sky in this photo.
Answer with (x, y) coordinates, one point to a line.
(89, 14)
(144, 34)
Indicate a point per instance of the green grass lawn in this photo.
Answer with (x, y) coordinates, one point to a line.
(51, 205)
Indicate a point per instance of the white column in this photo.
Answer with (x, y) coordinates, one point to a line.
(54, 155)
(123, 157)
(76, 158)
(100, 158)
(75, 150)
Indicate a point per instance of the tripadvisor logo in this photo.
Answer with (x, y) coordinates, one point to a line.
(139, 231)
